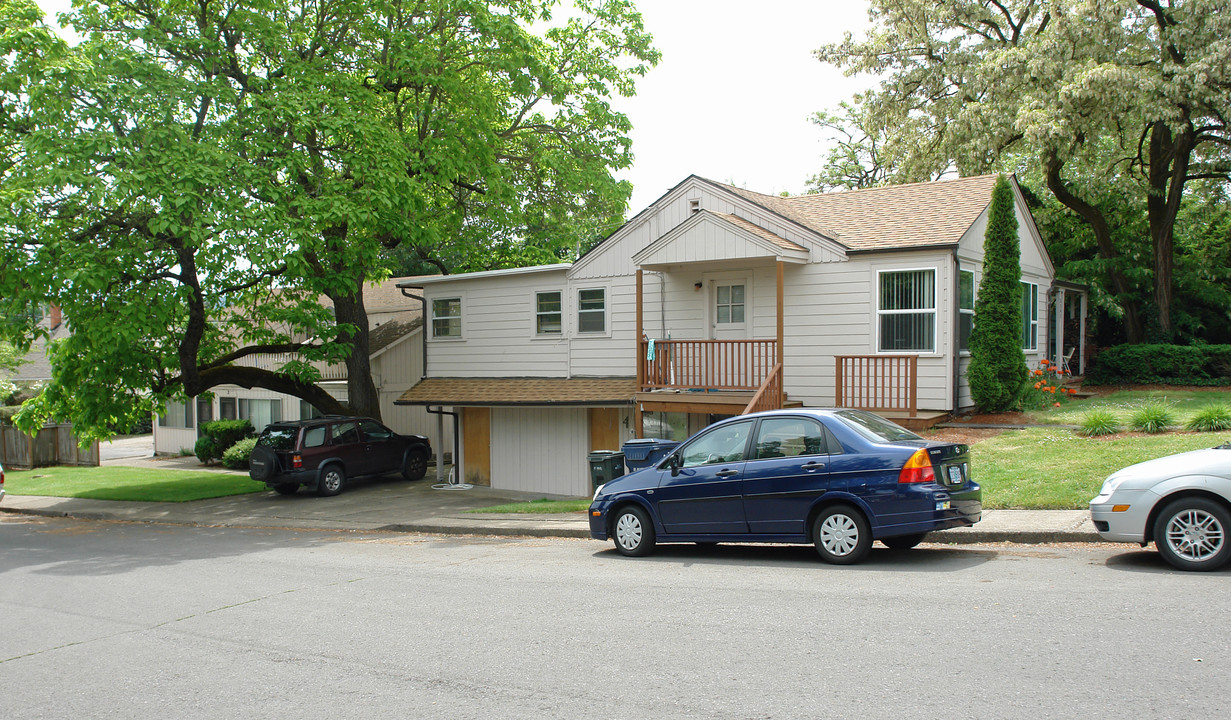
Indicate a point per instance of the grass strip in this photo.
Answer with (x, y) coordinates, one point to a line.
(128, 484)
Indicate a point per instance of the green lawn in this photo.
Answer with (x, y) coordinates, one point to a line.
(542, 505)
(125, 483)
(1122, 403)
(1048, 469)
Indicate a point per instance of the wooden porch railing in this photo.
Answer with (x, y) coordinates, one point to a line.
(769, 397)
(878, 382)
(708, 364)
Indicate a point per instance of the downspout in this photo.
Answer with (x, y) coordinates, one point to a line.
(423, 325)
(957, 334)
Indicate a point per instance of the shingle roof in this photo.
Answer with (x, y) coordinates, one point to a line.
(887, 218)
(520, 391)
(761, 232)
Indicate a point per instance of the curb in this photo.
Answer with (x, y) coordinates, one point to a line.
(958, 536)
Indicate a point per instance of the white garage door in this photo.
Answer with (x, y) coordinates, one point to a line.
(541, 450)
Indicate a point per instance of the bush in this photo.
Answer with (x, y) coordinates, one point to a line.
(1168, 364)
(236, 457)
(1214, 418)
(1152, 418)
(222, 434)
(1099, 422)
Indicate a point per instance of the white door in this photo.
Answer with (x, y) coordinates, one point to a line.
(728, 308)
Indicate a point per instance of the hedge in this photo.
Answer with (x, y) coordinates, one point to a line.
(236, 457)
(1163, 364)
(219, 435)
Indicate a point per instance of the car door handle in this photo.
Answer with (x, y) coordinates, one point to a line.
(813, 466)
(727, 473)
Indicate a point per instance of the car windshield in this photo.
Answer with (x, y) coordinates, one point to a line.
(875, 428)
(278, 438)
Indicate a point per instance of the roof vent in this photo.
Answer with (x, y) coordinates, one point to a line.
(694, 206)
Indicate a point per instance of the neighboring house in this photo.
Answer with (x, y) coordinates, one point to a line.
(396, 346)
(715, 301)
(35, 366)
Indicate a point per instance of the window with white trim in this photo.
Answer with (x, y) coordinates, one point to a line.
(447, 317)
(592, 310)
(1030, 316)
(548, 313)
(906, 311)
(177, 414)
(729, 304)
(965, 308)
(260, 411)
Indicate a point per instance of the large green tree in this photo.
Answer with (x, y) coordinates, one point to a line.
(207, 169)
(1105, 99)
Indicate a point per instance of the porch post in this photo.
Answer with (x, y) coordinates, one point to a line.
(781, 334)
(1081, 339)
(1058, 310)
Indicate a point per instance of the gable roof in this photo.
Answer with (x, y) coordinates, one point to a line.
(745, 240)
(892, 217)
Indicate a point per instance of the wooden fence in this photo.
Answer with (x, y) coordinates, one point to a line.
(878, 382)
(52, 445)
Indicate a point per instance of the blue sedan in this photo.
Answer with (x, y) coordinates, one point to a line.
(836, 478)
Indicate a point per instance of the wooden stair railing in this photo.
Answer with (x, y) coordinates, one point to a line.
(769, 395)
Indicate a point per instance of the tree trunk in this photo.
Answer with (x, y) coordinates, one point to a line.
(1133, 327)
(1169, 158)
(363, 398)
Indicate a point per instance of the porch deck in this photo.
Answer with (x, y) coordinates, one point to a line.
(717, 402)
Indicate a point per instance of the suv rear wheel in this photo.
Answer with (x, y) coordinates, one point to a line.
(333, 479)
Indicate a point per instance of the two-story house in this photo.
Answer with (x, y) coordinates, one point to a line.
(716, 301)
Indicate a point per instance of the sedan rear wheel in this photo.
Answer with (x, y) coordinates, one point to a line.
(842, 535)
(632, 532)
(1191, 534)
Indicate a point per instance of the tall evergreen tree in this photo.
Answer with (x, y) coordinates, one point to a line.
(997, 368)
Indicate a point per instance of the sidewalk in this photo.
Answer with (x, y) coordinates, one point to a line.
(395, 506)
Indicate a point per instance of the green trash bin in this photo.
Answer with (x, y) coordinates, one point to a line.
(605, 466)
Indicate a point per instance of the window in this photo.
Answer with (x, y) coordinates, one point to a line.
(314, 437)
(308, 411)
(375, 432)
(226, 409)
(345, 433)
(1030, 316)
(730, 304)
(548, 313)
(177, 415)
(447, 318)
(906, 313)
(965, 308)
(592, 310)
(205, 409)
(720, 445)
(260, 412)
(790, 437)
(664, 425)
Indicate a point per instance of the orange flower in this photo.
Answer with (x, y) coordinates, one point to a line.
(1038, 372)
(1038, 385)
(1055, 404)
(1052, 390)
(1044, 362)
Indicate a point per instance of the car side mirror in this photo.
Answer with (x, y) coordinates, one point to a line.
(674, 462)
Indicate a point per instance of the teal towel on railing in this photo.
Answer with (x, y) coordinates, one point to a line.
(649, 353)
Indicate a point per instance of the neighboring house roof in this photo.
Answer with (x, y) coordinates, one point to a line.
(35, 365)
(397, 328)
(431, 279)
(521, 391)
(892, 217)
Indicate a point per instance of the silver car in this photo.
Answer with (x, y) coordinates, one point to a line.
(1180, 502)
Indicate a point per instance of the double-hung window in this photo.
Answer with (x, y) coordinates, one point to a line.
(447, 318)
(548, 313)
(965, 308)
(906, 311)
(1030, 316)
(592, 310)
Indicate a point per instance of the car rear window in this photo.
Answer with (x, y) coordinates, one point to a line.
(875, 428)
(278, 438)
(314, 437)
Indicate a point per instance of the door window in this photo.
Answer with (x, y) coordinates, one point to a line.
(790, 437)
(345, 433)
(375, 431)
(729, 307)
(720, 445)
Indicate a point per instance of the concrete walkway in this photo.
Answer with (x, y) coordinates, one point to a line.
(389, 504)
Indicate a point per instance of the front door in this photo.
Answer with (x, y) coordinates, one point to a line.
(728, 308)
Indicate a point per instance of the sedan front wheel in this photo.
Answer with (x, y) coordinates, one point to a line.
(842, 535)
(632, 532)
(1191, 534)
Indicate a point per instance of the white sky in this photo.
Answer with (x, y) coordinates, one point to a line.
(732, 97)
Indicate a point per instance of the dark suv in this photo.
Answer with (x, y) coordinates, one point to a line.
(323, 452)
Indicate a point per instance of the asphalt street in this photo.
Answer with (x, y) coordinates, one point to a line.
(105, 619)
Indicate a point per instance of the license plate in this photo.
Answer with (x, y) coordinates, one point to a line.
(944, 505)
(955, 475)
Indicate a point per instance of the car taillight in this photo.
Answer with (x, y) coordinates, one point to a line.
(918, 469)
(297, 461)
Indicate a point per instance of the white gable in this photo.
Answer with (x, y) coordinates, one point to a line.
(707, 237)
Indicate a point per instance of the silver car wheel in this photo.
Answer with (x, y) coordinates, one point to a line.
(1195, 535)
(628, 532)
(839, 535)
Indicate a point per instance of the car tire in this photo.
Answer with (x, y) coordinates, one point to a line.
(1191, 534)
(903, 542)
(286, 488)
(415, 465)
(841, 535)
(333, 479)
(263, 463)
(632, 532)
